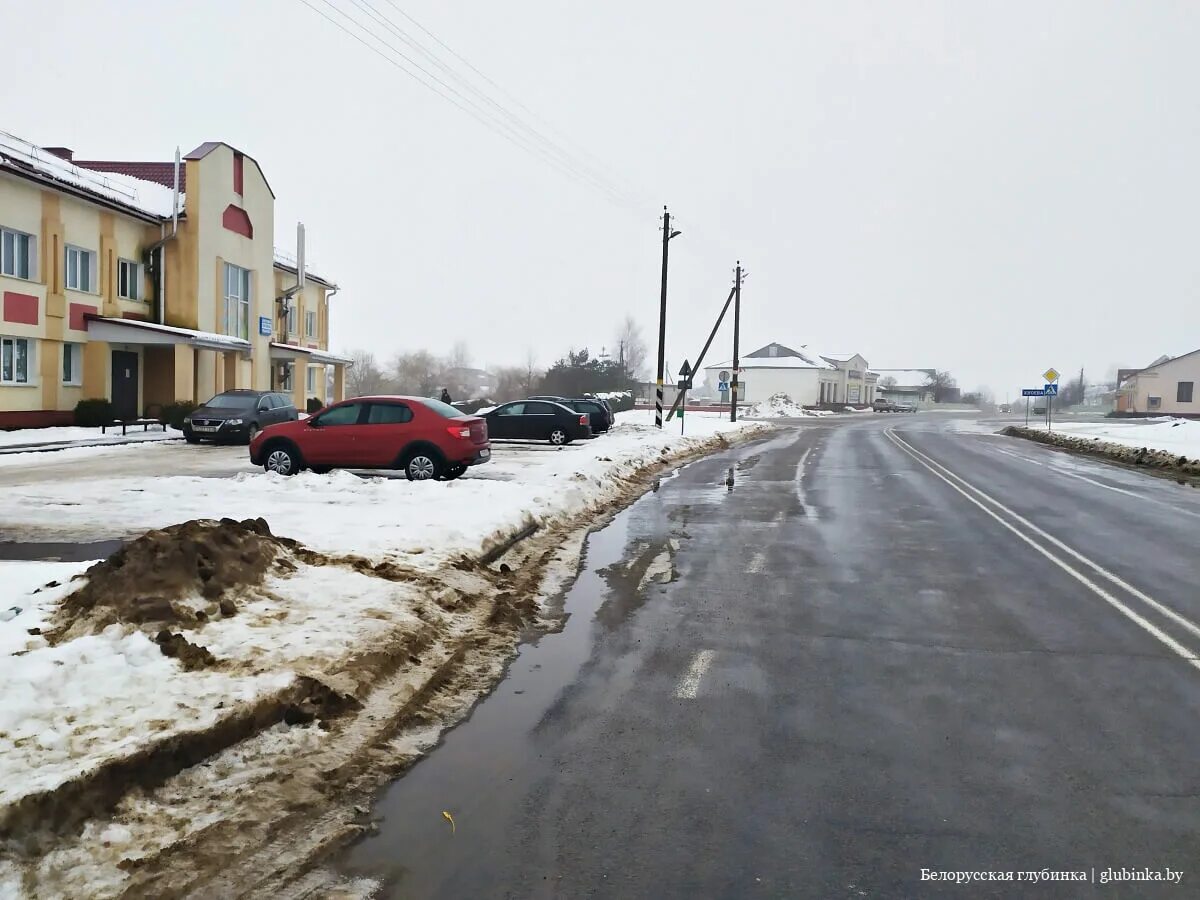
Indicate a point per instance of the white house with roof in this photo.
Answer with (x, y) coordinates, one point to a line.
(809, 377)
(1166, 386)
(914, 386)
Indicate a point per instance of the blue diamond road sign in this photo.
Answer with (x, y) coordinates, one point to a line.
(1052, 390)
(1033, 392)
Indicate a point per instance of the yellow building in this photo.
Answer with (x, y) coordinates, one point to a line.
(114, 285)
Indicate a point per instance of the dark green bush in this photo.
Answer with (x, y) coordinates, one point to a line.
(93, 413)
(313, 406)
(174, 413)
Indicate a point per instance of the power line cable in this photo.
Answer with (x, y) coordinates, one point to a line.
(506, 94)
(466, 105)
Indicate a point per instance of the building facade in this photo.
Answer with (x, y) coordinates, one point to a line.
(116, 286)
(808, 377)
(911, 386)
(1166, 387)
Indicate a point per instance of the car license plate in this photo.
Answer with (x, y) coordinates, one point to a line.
(485, 453)
(205, 429)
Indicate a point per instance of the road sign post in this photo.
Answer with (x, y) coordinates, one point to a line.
(1027, 393)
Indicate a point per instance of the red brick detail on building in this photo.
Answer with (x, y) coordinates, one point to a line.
(238, 167)
(37, 418)
(20, 308)
(236, 220)
(139, 317)
(77, 316)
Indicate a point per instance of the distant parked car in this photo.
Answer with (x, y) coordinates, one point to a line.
(425, 438)
(881, 405)
(599, 415)
(538, 420)
(238, 415)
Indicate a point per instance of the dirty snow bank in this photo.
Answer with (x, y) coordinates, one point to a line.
(420, 524)
(75, 435)
(1177, 436)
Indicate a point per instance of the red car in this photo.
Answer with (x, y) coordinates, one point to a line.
(426, 438)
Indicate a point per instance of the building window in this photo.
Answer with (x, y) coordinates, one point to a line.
(129, 280)
(1183, 393)
(1153, 402)
(16, 360)
(290, 317)
(310, 324)
(17, 254)
(236, 320)
(312, 380)
(72, 364)
(81, 269)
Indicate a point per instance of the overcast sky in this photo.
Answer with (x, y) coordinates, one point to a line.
(989, 188)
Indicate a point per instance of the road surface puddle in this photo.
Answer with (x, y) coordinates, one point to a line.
(482, 771)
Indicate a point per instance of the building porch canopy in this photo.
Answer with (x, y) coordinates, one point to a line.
(286, 352)
(135, 331)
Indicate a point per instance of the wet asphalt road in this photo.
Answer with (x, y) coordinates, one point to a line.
(856, 671)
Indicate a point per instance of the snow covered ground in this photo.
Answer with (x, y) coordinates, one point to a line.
(75, 436)
(1177, 436)
(421, 524)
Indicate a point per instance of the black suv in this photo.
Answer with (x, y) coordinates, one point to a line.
(238, 416)
(599, 412)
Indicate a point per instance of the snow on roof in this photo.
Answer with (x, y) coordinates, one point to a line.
(142, 196)
(207, 337)
(285, 260)
(775, 362)
(906, 377)
(840, 357)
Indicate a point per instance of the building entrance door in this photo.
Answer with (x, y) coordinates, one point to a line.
(125, 384)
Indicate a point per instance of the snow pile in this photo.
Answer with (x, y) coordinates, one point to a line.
(424, 524)
(778, 406)
(1180, 437)
(70, 435)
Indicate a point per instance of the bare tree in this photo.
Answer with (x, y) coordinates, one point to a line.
(419, 373)
(364, 377)
(887, 382)
(944, 387)
(631, 347)
(460, 356)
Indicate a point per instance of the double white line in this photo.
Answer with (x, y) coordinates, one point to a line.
(1045, 539)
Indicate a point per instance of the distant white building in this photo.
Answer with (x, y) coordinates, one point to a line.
(1166, 386)
(913, 386)
(808, 377)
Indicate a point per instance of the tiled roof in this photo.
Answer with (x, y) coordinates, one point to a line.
(159, 172)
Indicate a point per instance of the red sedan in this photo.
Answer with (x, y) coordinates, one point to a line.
(426, 438)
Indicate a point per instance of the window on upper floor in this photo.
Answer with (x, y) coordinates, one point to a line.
(310, 324)
(18, 254)
(16, 360)
(235, 320)
(129, 279)
(81, 270)
(290, 316)
(72, 372)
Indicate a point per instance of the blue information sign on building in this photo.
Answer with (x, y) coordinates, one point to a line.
(264, 326)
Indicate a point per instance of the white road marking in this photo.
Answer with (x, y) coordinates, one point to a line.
(757, 561)
(1108, 487)
(689, 684)
(933, 466)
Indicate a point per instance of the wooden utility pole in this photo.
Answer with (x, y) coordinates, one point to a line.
(662, 319)
(737, 322)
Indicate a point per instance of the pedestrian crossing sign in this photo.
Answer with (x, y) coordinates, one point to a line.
(1052, 390)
